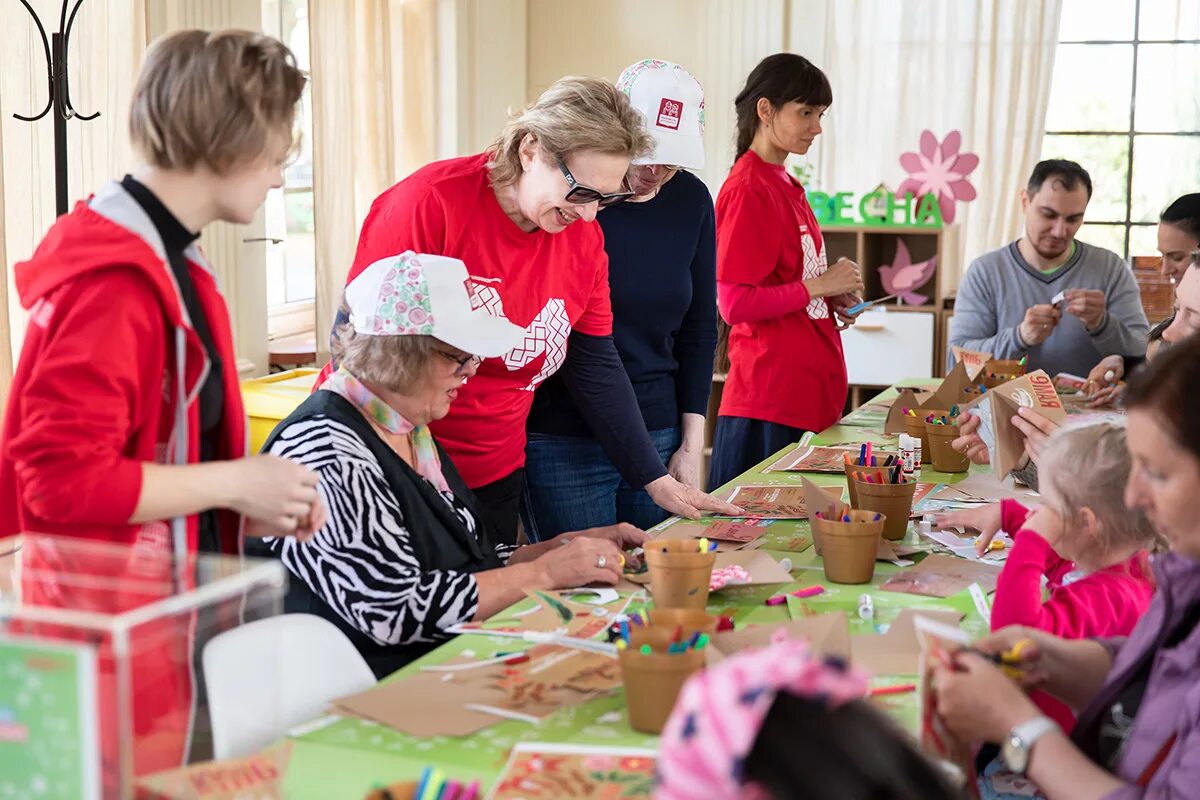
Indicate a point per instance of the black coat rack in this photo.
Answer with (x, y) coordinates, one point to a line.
(59, 99)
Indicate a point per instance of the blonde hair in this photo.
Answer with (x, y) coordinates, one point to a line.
(573, 115)
(213, 98)
(395, 363)
(1088, 467)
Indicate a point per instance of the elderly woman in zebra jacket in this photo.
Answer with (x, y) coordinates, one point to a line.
(404, 555)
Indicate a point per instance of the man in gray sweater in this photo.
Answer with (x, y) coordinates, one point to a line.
(1063, 303)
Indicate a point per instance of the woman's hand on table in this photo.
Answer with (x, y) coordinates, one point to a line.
(580, 561)
(685, 501)
(985, 519)
(969, 442)
(977, 701)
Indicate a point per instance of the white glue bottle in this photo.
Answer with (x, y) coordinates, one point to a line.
(910, 454)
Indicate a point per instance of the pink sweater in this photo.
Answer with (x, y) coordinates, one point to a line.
(1105, 603)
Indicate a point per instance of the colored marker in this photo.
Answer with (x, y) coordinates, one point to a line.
(423, 782)
(901, 688)
(811, 591)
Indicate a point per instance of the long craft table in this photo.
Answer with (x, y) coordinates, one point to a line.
(347, 757)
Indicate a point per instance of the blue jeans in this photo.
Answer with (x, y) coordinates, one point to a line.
(571, 485)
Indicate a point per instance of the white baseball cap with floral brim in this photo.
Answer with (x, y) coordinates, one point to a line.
(671, 101)
(416, 294)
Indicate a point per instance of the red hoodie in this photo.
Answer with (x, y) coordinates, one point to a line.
(98, 392)
(1105, 603)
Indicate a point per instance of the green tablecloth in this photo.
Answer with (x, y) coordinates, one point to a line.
(348, 757)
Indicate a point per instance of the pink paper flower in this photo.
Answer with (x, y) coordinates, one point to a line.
(939, 170)
(903, 278)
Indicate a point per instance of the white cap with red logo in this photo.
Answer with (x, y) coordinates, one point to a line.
(672, 103)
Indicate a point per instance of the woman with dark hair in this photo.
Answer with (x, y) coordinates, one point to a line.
(1138, 735)
(1178, 240)
(778, 298)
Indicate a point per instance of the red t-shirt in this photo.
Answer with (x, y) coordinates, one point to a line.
(549, 283)
(788, 369)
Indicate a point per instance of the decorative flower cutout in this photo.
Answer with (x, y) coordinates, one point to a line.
(940, 170)
(903, 278)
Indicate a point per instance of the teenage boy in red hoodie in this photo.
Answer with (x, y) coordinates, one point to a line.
(125, 422)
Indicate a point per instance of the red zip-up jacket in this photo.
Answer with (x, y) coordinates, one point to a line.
(107, 380)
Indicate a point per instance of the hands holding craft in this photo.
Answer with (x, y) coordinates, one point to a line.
(1088, 305)
(1104, 383)
(596, 555)
(1036, 427)
(840, 285)
(981, 691)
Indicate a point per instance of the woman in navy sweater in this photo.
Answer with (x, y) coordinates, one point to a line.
(661, 248)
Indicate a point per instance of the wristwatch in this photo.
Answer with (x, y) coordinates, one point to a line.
(1019, 742)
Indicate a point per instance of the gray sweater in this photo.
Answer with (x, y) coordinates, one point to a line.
(999, 286)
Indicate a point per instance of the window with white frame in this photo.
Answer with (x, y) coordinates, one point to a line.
(291, 250)
(1124, 103)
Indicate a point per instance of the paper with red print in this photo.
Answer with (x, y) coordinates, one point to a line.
(536, 771)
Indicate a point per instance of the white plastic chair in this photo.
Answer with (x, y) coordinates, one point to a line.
(268, 676)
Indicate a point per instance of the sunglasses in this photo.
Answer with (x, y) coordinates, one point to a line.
(581, 195)
(464, 362)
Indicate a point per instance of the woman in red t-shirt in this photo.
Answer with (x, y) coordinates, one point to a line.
(512, 215)
(778, 299)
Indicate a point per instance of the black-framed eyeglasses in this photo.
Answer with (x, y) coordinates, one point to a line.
(463, 362)
(581, 195)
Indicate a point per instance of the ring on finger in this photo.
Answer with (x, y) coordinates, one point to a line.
(601, 562)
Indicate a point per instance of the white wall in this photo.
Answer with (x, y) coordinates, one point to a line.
(719, 41)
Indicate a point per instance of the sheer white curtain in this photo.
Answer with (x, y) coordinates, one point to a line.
(101, 79)
(899, 68)
(374, 92)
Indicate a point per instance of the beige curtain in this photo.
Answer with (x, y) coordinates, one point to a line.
(374, 93)
(6, 354)
(899, 68)
(101, 79)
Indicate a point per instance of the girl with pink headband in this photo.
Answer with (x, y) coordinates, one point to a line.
(779, 723)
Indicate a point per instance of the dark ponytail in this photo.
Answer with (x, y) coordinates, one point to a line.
(1184, 214)
(780, 78)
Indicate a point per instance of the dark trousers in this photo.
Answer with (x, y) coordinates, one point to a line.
(499, 505)
(740, 443)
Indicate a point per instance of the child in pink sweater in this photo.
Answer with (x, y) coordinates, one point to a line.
(1091, 550)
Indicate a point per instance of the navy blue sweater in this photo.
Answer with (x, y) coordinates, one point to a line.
(662, 273)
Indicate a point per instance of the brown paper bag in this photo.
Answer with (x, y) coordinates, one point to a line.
(908, 399)
(973, 360)
(260, 775)
(1035, 390)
